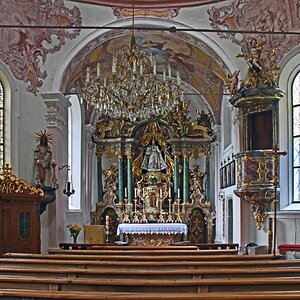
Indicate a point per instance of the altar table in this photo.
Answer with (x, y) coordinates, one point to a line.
(155, 234)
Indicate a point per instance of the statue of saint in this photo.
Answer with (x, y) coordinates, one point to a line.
(153, 160)
(43, 159)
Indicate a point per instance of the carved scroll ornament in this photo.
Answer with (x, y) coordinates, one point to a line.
(24, 48)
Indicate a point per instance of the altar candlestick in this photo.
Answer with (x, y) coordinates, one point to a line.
(98, 69)
(135, 193)
(160, 193)
(170, 192)
(125, 193)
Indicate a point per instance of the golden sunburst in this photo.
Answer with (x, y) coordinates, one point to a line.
(43, 134)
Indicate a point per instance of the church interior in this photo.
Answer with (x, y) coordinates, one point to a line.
(166, 126)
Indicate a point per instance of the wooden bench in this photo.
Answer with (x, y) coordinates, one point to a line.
(160, 258)
(33, 294)
(283, 248)
(142, 273)
(31, 260)
(177, 252)
(67, 246)
(152, 285)
(204, 246)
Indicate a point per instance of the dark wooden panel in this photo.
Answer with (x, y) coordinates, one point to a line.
(260, 131)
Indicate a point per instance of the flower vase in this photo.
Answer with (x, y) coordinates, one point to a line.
(74, 239)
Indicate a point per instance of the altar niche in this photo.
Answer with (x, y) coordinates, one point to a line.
(154, 180)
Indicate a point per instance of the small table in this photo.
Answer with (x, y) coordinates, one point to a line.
(154, 234)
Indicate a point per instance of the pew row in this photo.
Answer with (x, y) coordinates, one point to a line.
(141, 273)
(43, 295)
(156, 265)
(151, 285)
(143, 257)
(143, 252)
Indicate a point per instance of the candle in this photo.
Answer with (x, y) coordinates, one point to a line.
(125, 193)
(170, 192)
(154, 67)
(141, 69)
(88, 74)
(98, 69)
(135, 192)
(114, 65)
(178, 78)
(169, 71)
(178, 194)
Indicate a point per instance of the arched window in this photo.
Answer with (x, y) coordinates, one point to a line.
(295, 118)
(2, 129)
(74, 149)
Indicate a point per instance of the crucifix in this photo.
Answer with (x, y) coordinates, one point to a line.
(275, 154)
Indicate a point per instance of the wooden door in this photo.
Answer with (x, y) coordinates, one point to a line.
(25, 226)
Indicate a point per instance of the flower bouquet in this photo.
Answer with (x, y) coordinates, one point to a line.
(74, 231)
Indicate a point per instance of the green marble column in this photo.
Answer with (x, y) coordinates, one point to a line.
(176, 174)
(129, 178)
(120, 178)
(207, 185)
(99, 173)
(186, 187)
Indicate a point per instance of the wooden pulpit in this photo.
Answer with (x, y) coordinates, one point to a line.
(19, 214)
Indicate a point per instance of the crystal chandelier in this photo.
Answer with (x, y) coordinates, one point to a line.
(133, 90)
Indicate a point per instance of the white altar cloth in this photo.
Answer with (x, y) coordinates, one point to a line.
(152, 228)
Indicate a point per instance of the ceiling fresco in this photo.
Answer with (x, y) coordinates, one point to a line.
(252, 15)
(25, 50)
(197, 64)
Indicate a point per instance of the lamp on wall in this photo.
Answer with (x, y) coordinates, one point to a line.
(68, 186)
(133, 90)
(221, 196)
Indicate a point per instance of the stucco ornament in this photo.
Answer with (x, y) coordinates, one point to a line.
(25, 47)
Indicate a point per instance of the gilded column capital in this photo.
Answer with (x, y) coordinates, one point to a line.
(186, 153)
(99, 154)
(128, 154)
(176, 154)
(119, 154)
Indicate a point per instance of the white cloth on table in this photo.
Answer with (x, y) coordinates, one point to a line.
(152, 228)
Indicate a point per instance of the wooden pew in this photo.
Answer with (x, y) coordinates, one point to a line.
(42, 295)
(204, 246)
(67, 246)
(141, 273)
(283, 248)
(160, 258)
(145, 252)
(153, 285)
(69, 262)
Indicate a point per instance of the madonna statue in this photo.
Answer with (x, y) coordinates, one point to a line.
(153, 160)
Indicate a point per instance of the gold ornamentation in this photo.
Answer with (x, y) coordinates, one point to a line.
(9, 183)
(201, 127)
(110, 184)
(232, 82)
(263, 71)
(196, 184)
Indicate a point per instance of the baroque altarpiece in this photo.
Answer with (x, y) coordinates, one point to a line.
(155, 173)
